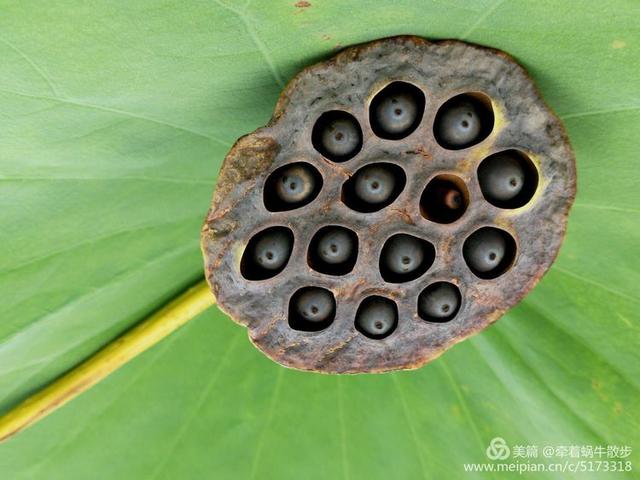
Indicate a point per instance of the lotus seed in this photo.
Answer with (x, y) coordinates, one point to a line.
(396, 113)
(376, 318)
(403, 254)
(272, 250)
(341, 137)
(295, 184)
(439, 301)
(452, 199)
(501, 177)
(485, 249)
(316, 305)
(374, 184)
(335, 246)
(458, 124)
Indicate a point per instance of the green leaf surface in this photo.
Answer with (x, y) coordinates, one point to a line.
(115, 117)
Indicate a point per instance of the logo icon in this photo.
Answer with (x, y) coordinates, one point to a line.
(498, 449)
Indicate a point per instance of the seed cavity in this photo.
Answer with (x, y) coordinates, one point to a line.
(405, 258)
(377, 317)
(508, 179)
(337, 136)
(439, 302)
(463, 121)
(444, 199)
(333, 250)
(291, 186)
(489, 252)
(374, 187)
(267, 253)
(312, 309)
(396, 111)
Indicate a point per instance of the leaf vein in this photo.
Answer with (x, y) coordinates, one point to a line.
(412, 430)
(596, 284)
(92, 241)
(267, 423)
(258, 43)
(141, 178)
(128, 274)
(343, 432)
(33, 65)
(605, 207)
(481, 19)
(604, 111)
(83, 426)
(117, 111)
(199, 403)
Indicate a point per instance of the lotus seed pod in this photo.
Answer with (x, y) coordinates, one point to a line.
(439, 302)
(272, 250)
(458, 124)
(403, 254)
(335, 246)
(376, 317)
(295, 184)
(484, 250)
(316, 305)
(376, 179)
(501, 177)
(374, 184)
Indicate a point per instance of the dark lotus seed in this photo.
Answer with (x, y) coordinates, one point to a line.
(459, 124)
(396, 113)
(335, 246)
(315, 305)
(340, 137)
(484, 250)
(403, 254)
(452, 199)
(376, 318)
(440, 302)
(501, 177)
(295, 184)
(272, 250)
(374, 184)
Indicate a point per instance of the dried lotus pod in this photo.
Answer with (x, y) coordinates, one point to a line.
(405, 194)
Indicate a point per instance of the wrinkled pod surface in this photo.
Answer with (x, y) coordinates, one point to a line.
(405, 194)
